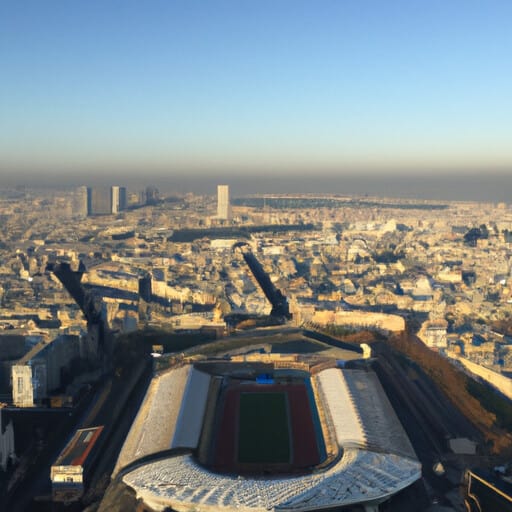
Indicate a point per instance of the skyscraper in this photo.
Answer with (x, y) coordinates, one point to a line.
(151, 195)
(79, 202)
(115, 199)
(99, 201)
(105, 200)
(223, 206)
(123, 198)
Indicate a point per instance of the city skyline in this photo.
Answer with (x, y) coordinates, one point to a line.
(480, 187)
(182, 88)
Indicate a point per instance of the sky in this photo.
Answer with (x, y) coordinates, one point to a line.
(255, 88)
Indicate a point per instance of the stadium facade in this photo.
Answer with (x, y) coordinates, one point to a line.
(197, 442)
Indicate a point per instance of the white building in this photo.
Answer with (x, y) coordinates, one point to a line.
(223, 206)
(115, 199)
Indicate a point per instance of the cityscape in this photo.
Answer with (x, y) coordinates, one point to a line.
(255, 256)
(103, 287)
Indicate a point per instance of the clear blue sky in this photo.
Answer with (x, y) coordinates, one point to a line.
(278, 86)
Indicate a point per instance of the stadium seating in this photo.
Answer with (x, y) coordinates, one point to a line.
(342, 408)
(193, 404)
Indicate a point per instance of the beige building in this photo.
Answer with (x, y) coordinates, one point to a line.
(22, 388)
(433, 334)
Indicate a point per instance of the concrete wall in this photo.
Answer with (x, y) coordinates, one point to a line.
(500, 382)
(379, 321)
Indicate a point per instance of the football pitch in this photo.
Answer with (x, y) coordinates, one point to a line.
(264, 433)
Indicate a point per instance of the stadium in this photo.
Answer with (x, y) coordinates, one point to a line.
(254, 432)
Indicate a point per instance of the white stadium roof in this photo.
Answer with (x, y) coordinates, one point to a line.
(377, 459)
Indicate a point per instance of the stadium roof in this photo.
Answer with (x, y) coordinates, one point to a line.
(375, 458)
(360, 476)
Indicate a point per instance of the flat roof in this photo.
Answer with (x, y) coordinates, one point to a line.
(76, 451)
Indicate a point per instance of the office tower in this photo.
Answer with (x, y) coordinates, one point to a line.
(151, 195)
(106, 200)
(119, 199)
(223, 207)
(123, 199)
(115, 199)
(99, 200)
(79, 202)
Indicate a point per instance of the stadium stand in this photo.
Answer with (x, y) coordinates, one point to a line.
(347, 424)
(193, 405)
(382, 429)
(160, 410)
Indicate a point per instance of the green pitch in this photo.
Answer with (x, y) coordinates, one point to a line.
(263, 436)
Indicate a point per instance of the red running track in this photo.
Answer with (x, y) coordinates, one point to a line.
(304, 444)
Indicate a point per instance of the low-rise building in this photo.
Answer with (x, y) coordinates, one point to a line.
(69, 472)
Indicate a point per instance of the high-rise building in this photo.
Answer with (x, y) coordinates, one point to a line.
(106, 200)
(79, 202)
(115, 199)
(99, 201)
(123, 199)
(151, 195)
(223, 206)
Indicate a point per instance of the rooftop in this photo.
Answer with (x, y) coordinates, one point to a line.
(76, 451)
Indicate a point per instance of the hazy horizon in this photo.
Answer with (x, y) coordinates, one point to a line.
(457, 187)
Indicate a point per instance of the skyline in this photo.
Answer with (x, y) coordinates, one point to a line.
(485, 188)
(239, 89)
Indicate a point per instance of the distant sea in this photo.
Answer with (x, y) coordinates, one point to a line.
(494, 188)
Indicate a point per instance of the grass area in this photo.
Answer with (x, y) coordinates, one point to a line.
(493, 402)
(264, 436)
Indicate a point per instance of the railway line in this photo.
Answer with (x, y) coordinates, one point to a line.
(427, 415)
